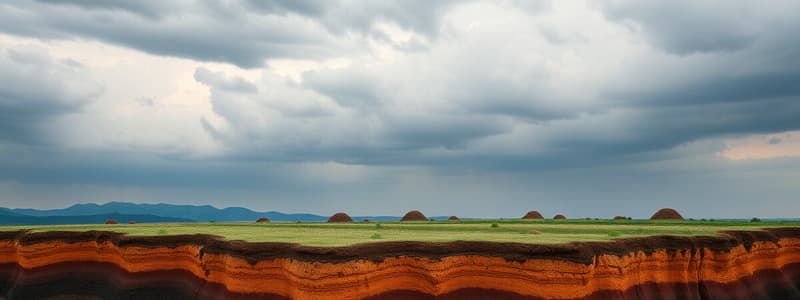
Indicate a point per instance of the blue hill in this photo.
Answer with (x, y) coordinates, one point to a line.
(198, 213)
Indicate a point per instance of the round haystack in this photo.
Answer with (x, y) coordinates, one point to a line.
(111, 221)
(453, 218)
(533, 215)
(340, 217)
(262, 220)
(666, 214)
(620, 218)
(559, 217)
(414, 215)
(131, 222)
(534, 231)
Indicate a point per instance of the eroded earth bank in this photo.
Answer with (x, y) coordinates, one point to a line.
(105, 265)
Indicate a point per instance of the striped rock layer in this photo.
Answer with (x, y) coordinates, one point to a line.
(105, 265)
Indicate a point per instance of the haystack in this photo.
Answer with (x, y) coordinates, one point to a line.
(131, 222)
(559, 217)
(533, 215)
(262, 220)
(414, 215)
(453, 218)
(340, 217)
(620, 218)
(111, 221)
(666, 214)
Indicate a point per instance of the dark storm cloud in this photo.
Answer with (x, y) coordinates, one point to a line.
(34, 87)
(244, 33)
(686, 27)
(204, 34)
(147, 8)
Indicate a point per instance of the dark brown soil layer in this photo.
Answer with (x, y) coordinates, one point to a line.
(580, 252)
(93, 280)
(763, 284)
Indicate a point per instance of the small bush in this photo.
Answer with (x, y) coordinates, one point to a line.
(375, 236)
(628, 218)
(755, 220)
(378, 226)
(494, 225)
(614, 233)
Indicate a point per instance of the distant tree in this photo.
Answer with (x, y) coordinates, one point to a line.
(754, 219)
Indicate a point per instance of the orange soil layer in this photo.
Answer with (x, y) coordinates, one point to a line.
(358, 278)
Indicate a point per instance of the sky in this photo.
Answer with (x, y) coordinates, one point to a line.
(468, 108)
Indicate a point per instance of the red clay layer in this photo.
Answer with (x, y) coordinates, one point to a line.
(744, 265)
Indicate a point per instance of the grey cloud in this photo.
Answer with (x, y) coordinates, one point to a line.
(350, 88)
(404, 132)
(220, 81)
(243, 33)
(236, 38)
(34, 87)
(774, 141)
(147, 8)
(686, 27)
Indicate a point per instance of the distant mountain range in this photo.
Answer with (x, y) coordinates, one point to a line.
(197, 213)
(7, 218)
(123, 212)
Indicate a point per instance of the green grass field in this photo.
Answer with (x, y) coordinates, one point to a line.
(323, 234)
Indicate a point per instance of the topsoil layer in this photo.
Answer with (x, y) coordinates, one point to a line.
(581, 252)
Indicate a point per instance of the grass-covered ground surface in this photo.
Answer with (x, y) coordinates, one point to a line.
(522, 231)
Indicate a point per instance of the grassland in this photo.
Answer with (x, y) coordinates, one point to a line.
(523, 231)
